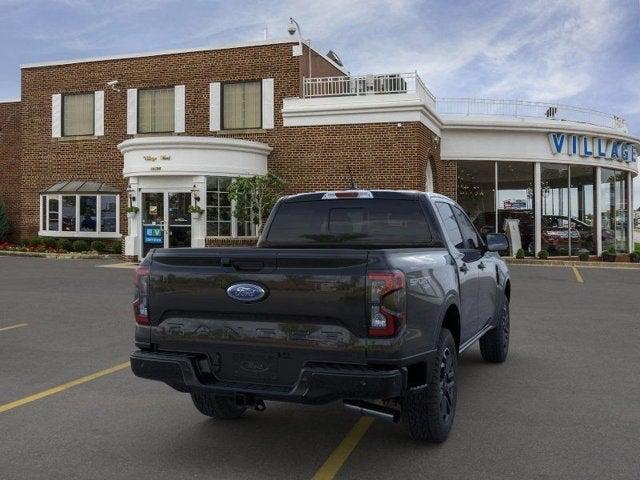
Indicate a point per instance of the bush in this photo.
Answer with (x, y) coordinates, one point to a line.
(634, 257)
(35, 242)
(25, 242)
(543, 254)
(98, 246)
(49, 242)
(80, 246)
(65, 244)
(583, 254)
(520, 253)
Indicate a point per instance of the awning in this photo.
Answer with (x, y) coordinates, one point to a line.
(81, 186)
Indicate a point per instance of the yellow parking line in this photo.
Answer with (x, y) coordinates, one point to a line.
(13, 326)
(577, 274)
(332, 465)
(60, 388)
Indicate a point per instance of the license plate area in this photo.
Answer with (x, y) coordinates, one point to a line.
(243, 366)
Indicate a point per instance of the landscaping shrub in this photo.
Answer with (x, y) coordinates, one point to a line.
(80, 246)
(35, 242)
(543, 254)
(610, 254)
(520, 253)
(25, 242)
(49, 242)
(98, 246)
(634, 257)
(4, 221)
(583, 254)
(65, 244)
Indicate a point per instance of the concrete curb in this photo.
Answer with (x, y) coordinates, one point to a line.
(571, 263)
(59, 256)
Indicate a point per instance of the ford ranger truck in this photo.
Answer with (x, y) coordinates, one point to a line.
(364, 297)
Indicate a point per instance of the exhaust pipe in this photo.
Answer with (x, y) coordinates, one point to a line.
(381, 412)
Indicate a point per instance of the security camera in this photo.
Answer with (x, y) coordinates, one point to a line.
(292, 27)
(112, 84)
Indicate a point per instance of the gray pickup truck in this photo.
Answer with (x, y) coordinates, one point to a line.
(366, 297)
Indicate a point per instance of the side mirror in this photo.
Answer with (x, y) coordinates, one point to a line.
(497, 242)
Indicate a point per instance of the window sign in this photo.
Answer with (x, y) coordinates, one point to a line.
(153, 235)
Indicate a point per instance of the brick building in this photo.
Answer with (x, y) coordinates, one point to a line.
(161, 131)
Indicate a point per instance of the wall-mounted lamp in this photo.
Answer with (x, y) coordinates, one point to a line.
(132, 194)
(195, 193)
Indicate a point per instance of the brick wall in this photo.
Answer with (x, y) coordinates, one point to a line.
(9, 161)
(308, 158)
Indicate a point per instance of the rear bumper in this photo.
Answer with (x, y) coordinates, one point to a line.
(318, 383)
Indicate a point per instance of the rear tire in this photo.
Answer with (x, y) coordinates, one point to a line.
(428, 412)
(494, 345)
(214, 406)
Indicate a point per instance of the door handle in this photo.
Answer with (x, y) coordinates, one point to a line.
(482, 266)
(464, 268)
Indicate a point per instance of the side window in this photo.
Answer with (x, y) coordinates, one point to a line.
(469, 234)
(450, 224)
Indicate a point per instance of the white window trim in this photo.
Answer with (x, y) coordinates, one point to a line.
(45, 232)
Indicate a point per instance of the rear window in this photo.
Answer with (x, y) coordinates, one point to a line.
(351, 223)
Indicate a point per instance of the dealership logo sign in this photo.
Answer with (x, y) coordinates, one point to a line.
(597, 147)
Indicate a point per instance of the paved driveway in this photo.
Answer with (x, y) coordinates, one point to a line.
(565, 405)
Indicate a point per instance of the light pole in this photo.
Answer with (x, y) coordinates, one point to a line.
(292, 29)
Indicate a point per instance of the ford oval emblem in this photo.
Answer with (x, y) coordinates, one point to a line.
(246, 292)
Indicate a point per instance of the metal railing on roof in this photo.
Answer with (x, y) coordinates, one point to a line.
(372, 84)
(527, 109)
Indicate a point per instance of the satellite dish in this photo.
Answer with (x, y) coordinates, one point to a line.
(334, 56)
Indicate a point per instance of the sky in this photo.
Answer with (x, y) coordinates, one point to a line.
(577, 52)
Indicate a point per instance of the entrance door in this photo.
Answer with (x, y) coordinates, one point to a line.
(179, 219)
(153, 221)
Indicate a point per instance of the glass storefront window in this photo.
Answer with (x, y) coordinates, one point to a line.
(69, 214)
(555, 208)
(87, 214)
(218, 207)
(108, 213)
(53, 223)
(582, 208)
(476, 193)
(74, 214)
(515, 203)
(613, 206)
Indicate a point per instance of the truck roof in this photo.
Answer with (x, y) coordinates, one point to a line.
(360, 193)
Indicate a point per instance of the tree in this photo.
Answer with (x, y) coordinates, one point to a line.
(254, 197)
(4, 221)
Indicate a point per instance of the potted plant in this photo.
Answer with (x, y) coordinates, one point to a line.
(583, 255)
(543, 254)
(195, 211)
(132, 211)
(610, 254)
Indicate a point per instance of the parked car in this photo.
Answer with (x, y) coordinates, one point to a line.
(356, 296)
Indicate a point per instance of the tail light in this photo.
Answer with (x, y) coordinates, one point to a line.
(387, 303)
(141, 298)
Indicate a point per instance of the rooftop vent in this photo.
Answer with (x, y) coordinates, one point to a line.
(334, 57)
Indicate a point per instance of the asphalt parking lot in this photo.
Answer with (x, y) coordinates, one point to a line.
(565, 405)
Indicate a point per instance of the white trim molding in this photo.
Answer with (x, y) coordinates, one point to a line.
(346, 110)
(56, 115)
(132, 111)
(183, 155)
(215, 110)
(268, 107)
(98, 113)
(179, 109)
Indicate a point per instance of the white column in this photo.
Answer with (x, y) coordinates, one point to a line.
(132, 242)
(199, 225)
(537, 203)
(630, 211)
(598, 210)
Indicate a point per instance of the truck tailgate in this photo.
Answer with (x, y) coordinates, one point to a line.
(314, 309)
